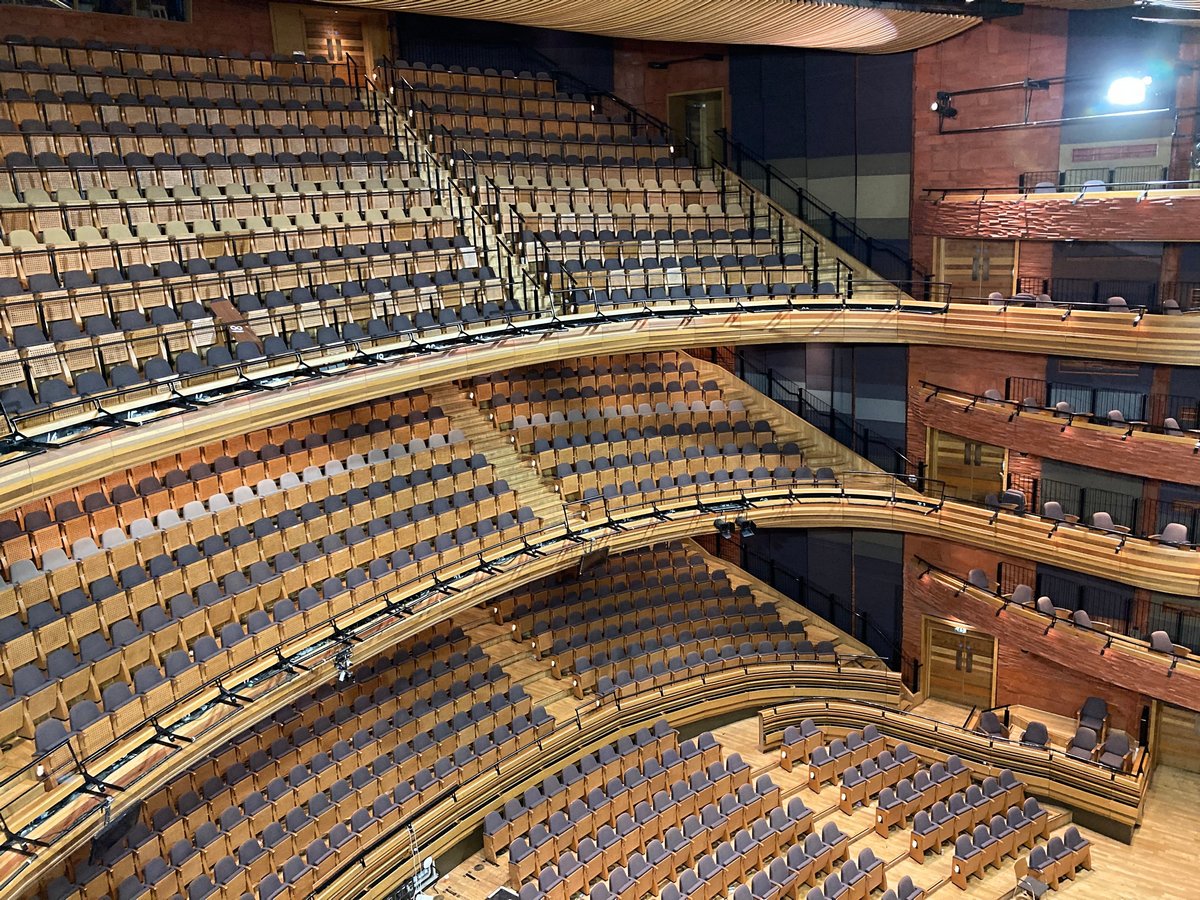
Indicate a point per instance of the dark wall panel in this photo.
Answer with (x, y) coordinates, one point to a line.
(789, 103)
(467, 42)
(851, 578)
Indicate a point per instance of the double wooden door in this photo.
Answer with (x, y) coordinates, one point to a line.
(960, 665)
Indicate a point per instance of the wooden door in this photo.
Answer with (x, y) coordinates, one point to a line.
(959, 664)
(1177, 738)
(970, 469)
(976, 268)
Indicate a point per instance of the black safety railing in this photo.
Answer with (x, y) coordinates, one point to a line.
(874, 253)
(93, 792)
(841, 426)
(378, 87)
(1087, 404)
(33, 431)
(1150, 176)
(1112, 637)
(1158, 296)
(829, 606)
(1096, 190)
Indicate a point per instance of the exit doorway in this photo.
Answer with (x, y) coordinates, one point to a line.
(696, 115)
(960, 664)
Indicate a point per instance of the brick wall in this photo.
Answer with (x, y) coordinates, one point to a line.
(968, 370)
(635, 82)
(225, 25)
(1031, 436)
(1032, 45)
(1051, 672)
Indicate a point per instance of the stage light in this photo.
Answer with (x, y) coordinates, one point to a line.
(943, 106)
(745, 526)
(1129, 90)
(724, 527)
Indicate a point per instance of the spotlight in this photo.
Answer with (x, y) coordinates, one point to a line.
(745, 526)
(724, 527)
(943, 105)
(1128, 91)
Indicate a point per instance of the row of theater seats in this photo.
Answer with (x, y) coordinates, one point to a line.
(576, 170)
(147, 210)
(942, 802)
(160, 198)
(71, 53)
(643, 428)
(120, 598)
(679, 822)
(140, 304)
(1061, 858)
(678, 814)
(643, 620)
(1092, 741)
(284, 803)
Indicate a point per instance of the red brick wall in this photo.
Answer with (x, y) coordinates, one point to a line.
(635, 82)
(226, 25)
(1032, 45)
(1055, 672)
(1144, 455)
(967, 370)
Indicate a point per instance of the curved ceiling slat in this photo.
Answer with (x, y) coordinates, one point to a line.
(772, 22)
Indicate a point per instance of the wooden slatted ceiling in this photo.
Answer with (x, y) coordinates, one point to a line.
(775, 22)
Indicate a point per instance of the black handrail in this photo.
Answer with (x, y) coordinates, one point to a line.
(1111, 638)
(860, 623)
(821, 414)
(843, 231)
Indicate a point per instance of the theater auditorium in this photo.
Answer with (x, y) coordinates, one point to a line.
(548, 450)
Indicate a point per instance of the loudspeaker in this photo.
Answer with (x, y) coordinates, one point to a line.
(592, 558)
(114, 832)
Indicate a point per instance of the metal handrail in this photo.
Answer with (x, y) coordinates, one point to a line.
(805, 202)
(895, 660)
(941, 193)
(1111, 638)
(417, 593)
(805, 399)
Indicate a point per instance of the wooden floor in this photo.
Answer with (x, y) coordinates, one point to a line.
(1152, 867)
(1156, 865)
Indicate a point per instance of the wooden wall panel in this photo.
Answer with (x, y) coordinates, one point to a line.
(1178, 738)
(975, 268)
(1124, 216)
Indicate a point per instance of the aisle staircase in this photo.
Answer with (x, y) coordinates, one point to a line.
(485, 438)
